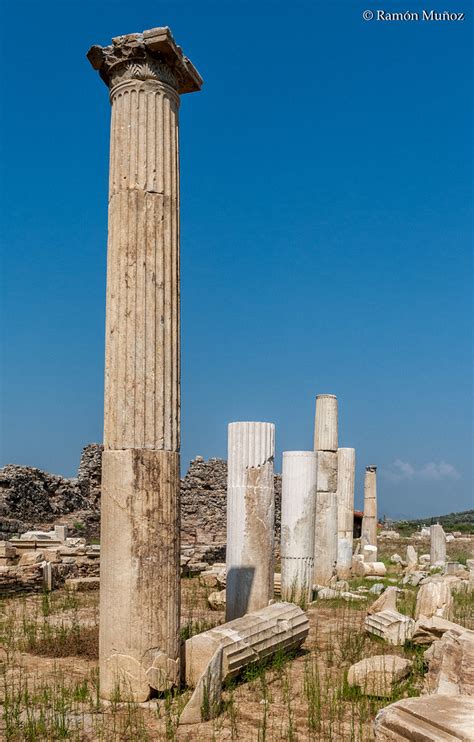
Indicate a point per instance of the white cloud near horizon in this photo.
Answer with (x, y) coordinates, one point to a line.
(401, 471)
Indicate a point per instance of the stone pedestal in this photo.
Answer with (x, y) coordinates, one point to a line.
(250, 517)
(369, 520)
(298, 509)
(325, 443)
(437, 545)
(139, 601)
(345, 510)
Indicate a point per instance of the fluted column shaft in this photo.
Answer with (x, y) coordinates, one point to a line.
(140, 591)
(369, 520)
(345, 510)
(250, 517)
(326, 444)
(298, 511)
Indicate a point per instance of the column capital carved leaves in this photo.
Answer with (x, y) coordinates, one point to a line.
(151, 55)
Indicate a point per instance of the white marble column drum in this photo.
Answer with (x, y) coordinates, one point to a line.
(250, 517)
(345, 510)
(437, 545)
(140, 592)
(369, 520)
(326, 444)
(326, 423)
(298, 510)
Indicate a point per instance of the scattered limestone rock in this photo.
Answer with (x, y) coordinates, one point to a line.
(396, 559)
(386, 602)
(414, 578)
(434, 599)
(391, 626)
(428, 630)
(426, 719)
(376, 675)
(451, 664)
(216, 600)
(82, 584)
(377, 589)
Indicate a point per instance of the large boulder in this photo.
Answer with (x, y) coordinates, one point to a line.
(434, 599)
(375, 676)
(451, 664)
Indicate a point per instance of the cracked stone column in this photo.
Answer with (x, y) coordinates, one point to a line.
(250, 517)
(298, 510)
(140, 591)
(437, 545)
(369, 520)
(325, 443)
(345, 510)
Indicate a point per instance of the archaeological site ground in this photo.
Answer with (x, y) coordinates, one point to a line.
(235, 602)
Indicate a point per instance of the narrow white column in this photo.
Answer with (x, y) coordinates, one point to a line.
(326, 444)
(345, 510)
(298, 510)
(369, 520)
(250, 517)
(437, 545)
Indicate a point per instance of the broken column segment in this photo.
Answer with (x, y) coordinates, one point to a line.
(345, 510)
(325, 443)
(139, 598)
(255, 636)
(437, 545)
(250, 517)
(369, 520)
(298, 509)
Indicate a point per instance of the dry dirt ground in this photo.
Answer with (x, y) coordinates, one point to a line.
(49, 688)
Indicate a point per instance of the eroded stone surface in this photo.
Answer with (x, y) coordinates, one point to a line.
(434, 599)
(426, 719)
(451, 664)
(391, 626)
(376, 675)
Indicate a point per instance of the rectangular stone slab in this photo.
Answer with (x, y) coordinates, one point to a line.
(427, 719)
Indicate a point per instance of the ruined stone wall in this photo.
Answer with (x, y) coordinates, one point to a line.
(31, 498)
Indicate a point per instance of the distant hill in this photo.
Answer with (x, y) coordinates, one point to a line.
(463, 522)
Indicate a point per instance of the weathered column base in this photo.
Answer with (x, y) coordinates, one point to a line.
(297, 579)
(139, 576)
(325, 541)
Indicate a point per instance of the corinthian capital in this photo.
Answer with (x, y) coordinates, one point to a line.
(150, 55)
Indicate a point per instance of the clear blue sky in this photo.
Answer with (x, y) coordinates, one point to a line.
(326, 197)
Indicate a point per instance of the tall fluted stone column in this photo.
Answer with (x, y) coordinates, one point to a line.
(250, 517)
(437, 545)
(345, 510)
(298, 510)
(139, 591)
(325, 443)
(369, 520)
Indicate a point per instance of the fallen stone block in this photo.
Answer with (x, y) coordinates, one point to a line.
(434, 599)
(369, 553)
(451, 664)
(365, 569)
(255, 636)
(82, 584)
(375, 676)
(411, 557)
(205, 702)
(426, 719)
(216, 600)
(427, 630)
(377, 589)
(391, 626)
(414, 578)
(386, 602)
(31, 557)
